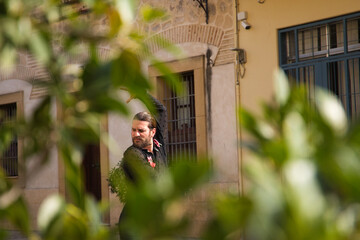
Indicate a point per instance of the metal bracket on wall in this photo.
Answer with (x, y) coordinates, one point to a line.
(241, 59)
(204, 5)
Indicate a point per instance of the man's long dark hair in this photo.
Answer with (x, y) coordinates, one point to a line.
(147, 117)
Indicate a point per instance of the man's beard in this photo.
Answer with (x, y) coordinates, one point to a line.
(141, 143)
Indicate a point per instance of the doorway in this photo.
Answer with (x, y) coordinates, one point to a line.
(92, 170)
(95, 167)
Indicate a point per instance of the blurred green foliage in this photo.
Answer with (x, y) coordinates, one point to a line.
(301, 167)
(54, 33)
(301, 163)
(158, 207)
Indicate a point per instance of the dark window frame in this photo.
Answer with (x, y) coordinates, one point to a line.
(18, 99)
(327, 68)
(196, 65)
(9, 159)
(181, 124)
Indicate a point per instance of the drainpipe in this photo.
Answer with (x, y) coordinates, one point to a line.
(238, 103)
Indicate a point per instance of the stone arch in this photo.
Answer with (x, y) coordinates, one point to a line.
(194, 33)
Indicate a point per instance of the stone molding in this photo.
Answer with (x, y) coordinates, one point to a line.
(212, 35)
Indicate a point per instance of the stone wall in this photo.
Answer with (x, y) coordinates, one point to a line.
(185, 22)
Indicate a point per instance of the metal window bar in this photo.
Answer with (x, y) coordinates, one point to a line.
(337, 70)
(9, 158)
(332, 37)
(353, 69)
(338, 85)
(181, 119)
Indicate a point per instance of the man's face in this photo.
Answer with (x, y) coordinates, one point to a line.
(141, 134)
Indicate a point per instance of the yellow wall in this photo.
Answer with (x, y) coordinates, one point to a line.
(261, 41)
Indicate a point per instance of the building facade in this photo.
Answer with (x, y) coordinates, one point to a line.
(225, 63)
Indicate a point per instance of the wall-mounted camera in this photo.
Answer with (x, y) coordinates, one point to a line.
(242, 16)
(245, 24)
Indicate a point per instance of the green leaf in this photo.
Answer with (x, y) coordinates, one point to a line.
(93, 213)
(231, 213)
(115, 22)
(281, 86)
(118, 182)
(8, 57)
(126, 72)
(332, 111)
(150, 13)
(196, 172)
(127, 10)
(40, 47)
(50, 216)
(171, 79)
(18, 214)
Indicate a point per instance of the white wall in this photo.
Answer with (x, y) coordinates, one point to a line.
(223, 118)
(47, 176)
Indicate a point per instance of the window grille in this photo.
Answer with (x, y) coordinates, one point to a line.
(9, 158)
(181, 119)
(325, 54)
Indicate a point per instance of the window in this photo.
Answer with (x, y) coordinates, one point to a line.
(9, 158)
(11, 108)
(186, 112)
(181, 118)
(325, 54)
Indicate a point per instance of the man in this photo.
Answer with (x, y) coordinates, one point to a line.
(148, 149)
(147, 133)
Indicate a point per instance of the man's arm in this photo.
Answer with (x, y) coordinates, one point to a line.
(161, 120)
